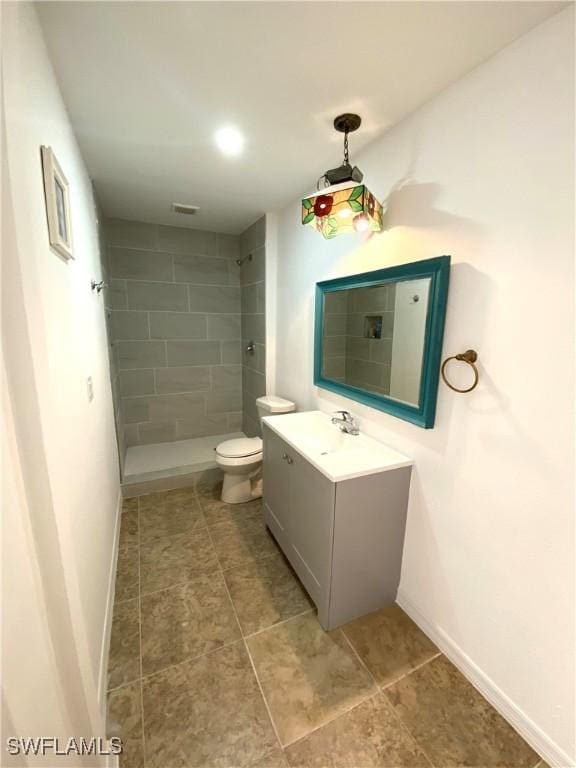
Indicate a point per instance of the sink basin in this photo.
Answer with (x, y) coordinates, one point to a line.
(336, 454)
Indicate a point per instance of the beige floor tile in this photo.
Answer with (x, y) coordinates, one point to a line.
(164, 520)
(124, 658)
(243, 540)
(178, 498)
(369, 736)
(175, 559)
(125, 709)
(274, 759)
(453, 723)
(130, 505)
(206, 713)
(217, 511)
(209, 483)
(127, 573)
(265, 592)
(389, 643)
(308, 676)
(186, 621)
(129, 528)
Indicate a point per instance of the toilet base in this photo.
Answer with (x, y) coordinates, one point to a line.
(238, 489)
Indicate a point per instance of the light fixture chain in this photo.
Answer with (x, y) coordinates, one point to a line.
(346, 156)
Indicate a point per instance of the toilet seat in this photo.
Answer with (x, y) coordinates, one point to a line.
(240, 448)
(239, 463)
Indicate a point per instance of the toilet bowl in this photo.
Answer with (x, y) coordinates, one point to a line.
(241, 459)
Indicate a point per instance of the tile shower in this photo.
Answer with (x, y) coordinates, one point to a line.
(359, 326)
(177, 315)
(252, 279)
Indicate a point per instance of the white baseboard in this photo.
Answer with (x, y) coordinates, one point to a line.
(107, 628)
(538, 740)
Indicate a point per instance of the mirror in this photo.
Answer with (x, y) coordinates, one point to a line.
(379, 337)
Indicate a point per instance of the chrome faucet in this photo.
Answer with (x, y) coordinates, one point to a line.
(346, 423)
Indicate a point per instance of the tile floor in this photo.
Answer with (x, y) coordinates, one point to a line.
(217, 659)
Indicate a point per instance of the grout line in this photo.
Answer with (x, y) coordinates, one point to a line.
(400, 721)
(381, 690)
(199, 577)
(191, 659)
(407, 674)
(140, 638)
(191, 365)
(221, 569)
(408, 731)
(362, 663)
(189, 312)
(188, 282)
(333, 719)
(264, 699)
(273, 724)
(126, 599)
(122, 685)
(254, 634)
(243, 565)
(279, 623)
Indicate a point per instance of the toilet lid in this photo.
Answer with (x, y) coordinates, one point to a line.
(244, 446)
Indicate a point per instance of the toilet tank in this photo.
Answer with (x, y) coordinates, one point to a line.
(271, 405)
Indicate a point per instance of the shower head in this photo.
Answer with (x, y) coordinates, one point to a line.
(241, 261)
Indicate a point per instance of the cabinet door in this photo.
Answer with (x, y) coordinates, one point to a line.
(276, 483)
(311, 528)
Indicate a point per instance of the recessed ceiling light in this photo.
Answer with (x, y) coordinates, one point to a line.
(229, 141)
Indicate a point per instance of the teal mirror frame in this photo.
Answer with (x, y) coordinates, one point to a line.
(438, 270)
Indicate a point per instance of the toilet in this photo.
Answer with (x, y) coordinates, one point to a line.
(241, 459)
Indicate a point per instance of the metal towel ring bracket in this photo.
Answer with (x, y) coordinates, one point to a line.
(470, 357)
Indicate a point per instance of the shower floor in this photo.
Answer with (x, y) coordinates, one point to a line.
(159, 460)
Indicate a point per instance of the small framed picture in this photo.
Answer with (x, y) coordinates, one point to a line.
(57, 204)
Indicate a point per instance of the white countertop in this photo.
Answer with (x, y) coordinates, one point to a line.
(337, 455)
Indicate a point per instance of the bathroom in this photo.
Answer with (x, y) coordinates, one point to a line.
(281, 487)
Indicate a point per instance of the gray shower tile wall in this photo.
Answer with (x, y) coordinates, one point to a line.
(369, 360)
(253, 305)
(334, 337)
(349, 355)
(175, 320)
(109, 299)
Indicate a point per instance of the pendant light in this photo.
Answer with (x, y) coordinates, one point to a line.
(344, 204)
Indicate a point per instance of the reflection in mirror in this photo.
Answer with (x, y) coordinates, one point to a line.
(373, 337)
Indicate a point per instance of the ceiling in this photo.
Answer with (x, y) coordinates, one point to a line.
(147, 84)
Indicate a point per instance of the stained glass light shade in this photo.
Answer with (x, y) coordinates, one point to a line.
(346, 207)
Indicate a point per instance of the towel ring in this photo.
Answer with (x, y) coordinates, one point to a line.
(470, 357)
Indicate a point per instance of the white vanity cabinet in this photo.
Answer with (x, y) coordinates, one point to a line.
(343, 536)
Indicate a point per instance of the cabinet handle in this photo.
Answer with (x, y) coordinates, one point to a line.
(284, 456)
(290, 460)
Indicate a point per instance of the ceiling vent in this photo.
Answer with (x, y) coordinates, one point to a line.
(191, 210)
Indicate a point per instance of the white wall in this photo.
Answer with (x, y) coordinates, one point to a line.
(54, 338)
(484, 173)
